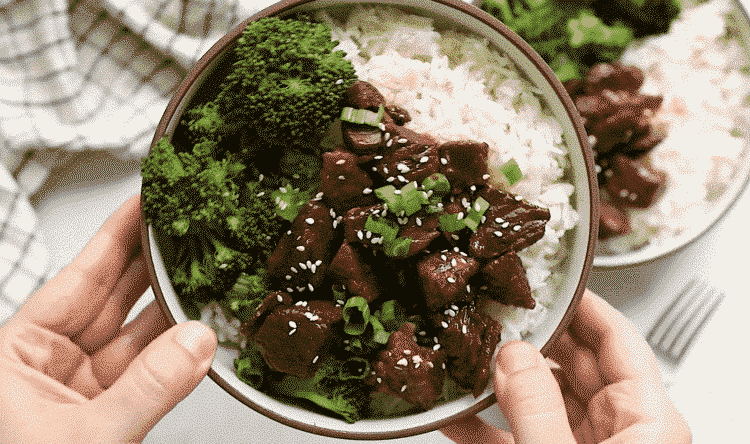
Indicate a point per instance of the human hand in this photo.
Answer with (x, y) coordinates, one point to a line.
(608, 388)
(71, 372)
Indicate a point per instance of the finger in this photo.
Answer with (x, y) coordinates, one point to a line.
(579, 364)
(622, 353)
(167, 370)
(529, 396)
(473, 430)
(128, 289)
(74, 298)
(111, 361)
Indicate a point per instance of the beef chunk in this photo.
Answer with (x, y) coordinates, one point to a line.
(613, 76)
(444, 276)
(633, 183)
(422, 228)
(350, 270)
(354, 225)
(292, 338)
(269, 304)
(407, 156)
(506, 282)
(410, 371)
(464, 163)
(469, 337)
(299, 261)
(344, 183)
(362, 139)
(363, 95)
(511, 224)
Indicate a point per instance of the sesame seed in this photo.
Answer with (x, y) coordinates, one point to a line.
(402, 361)
(378, 157)
(402, 178)
(310, 286)
(519, 198)
(335, 223)
(443, 257)
(292, 331)
(463, 329)
(381, 125)
(436, 347)
(498, 233)
(450, 313)
(374, 168)
(367, 191)
(486, 176)
(499, 220)
(506, 224)
(313, 268)
(315, 359)
(369, 234)
(342, 178)
(288, 277)
(300, 289)
(402, 140)
(407, 352)
(340, 161)
(301, 248)
(310, 220)
(517, 228)
(279, 298)
(403, 388)
(380, 381)
(289, 233)
(339, 81)
(302, 266)
(385, 170)
(360, 235)
(419, 222)
(422, 333)
(444, 324)
(387, 136)
(443, 366)
(390, 179)
(289, 290)
(468, 288)
(424, 159)
(318, 262)
(294, 270)
(455, 237)
(389, 143)
(435, 339)
(282, 189)
(444, 161)
(292, 324)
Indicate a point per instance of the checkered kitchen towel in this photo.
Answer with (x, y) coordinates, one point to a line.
(85, 75)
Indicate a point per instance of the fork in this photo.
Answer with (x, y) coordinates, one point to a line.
(682, 320)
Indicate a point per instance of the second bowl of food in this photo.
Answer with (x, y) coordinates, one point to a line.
(365, 200)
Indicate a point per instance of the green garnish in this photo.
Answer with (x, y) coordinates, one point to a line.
(289, 201)
(511, 171)
(474, 217)
(397, 248)
(356, 313)
(437, 183)
(450, 223)
(387, 229)
(362, 116)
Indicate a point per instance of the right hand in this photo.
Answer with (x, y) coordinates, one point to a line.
(607, 390)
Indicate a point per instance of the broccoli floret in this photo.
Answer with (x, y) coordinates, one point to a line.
(246, 295)
(211, 226)
(288, 81)
(645, 17)
(338, 387)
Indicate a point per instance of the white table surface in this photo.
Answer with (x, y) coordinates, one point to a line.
(711, 388)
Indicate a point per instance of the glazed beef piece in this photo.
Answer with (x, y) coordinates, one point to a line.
(363, 95)
(469, 336)
(354, 225)
(511, 224)
(407, 156)
(422, 228)
(350, 270)
(620, 121)
(464, 164)
(299, 262)
(444, 277)
(292, 338)
(269, 304)
(399, 115)
(408, 370)
(633, 183)
(504, 280)
(344, 183)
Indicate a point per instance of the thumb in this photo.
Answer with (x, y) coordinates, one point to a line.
(161, 376)
(529, 397)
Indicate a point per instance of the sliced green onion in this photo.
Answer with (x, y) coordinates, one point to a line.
(289, 201)
(392, 199)
(363, 116)
(438, 183)
(450, 223)
(386, 228)
(391, 315)
(474, 217)
(397, 248)
(379, 333)
(356, 315)
(511, 171)
(412, 198)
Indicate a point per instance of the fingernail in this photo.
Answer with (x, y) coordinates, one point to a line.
(198, 339)
(516, 357)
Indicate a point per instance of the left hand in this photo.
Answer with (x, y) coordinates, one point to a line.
(71, 372)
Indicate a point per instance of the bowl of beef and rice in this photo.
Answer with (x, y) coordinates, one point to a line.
(455, 209)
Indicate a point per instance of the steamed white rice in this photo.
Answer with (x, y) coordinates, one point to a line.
(476, 94)
(704, 80)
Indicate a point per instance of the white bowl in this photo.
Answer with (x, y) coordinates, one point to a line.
(581, 239)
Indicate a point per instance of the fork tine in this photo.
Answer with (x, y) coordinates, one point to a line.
(680, 318)
(665, 314)
(699, 326)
